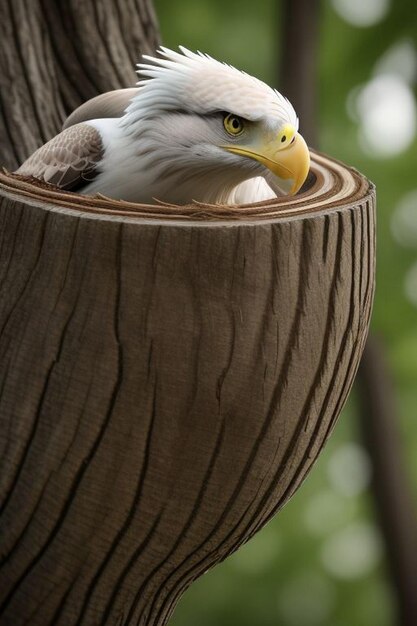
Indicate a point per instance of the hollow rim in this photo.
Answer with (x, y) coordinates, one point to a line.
(331, 185)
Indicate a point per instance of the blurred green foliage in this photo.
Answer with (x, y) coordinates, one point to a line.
(320, 561)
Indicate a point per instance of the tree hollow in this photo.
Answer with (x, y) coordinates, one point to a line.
(168, 376)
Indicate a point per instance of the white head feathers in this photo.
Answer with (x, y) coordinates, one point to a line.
(198, 83)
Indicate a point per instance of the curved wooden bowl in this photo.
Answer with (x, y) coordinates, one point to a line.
(168, 377)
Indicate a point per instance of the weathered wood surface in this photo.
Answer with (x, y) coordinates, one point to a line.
(56, 54)
(168, 377)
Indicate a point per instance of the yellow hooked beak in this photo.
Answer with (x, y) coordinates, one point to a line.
(290, 163)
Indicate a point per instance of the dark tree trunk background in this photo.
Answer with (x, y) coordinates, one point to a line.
(377, 408)
(391, 484)
(55, 54)
(299, 34)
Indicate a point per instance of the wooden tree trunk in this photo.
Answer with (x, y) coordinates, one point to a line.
(168, 377)
(55, 54)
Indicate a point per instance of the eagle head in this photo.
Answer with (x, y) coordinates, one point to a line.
(205, 127)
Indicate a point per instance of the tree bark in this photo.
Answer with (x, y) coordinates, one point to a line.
(169, 376)
(55, 54)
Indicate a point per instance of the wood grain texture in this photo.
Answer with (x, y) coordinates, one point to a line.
(56, 54)
(168, 377)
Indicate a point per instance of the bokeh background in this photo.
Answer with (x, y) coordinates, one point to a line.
(322, 561)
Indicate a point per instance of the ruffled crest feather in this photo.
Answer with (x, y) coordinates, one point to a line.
(195, 82)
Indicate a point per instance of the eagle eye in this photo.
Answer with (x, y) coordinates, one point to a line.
(233, 124)
(286, 135)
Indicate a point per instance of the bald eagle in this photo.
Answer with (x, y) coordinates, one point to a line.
(194, 129)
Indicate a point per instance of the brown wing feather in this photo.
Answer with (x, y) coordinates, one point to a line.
(69, 160)
(109, 104)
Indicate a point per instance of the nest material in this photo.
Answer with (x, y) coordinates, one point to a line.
(330, 185)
